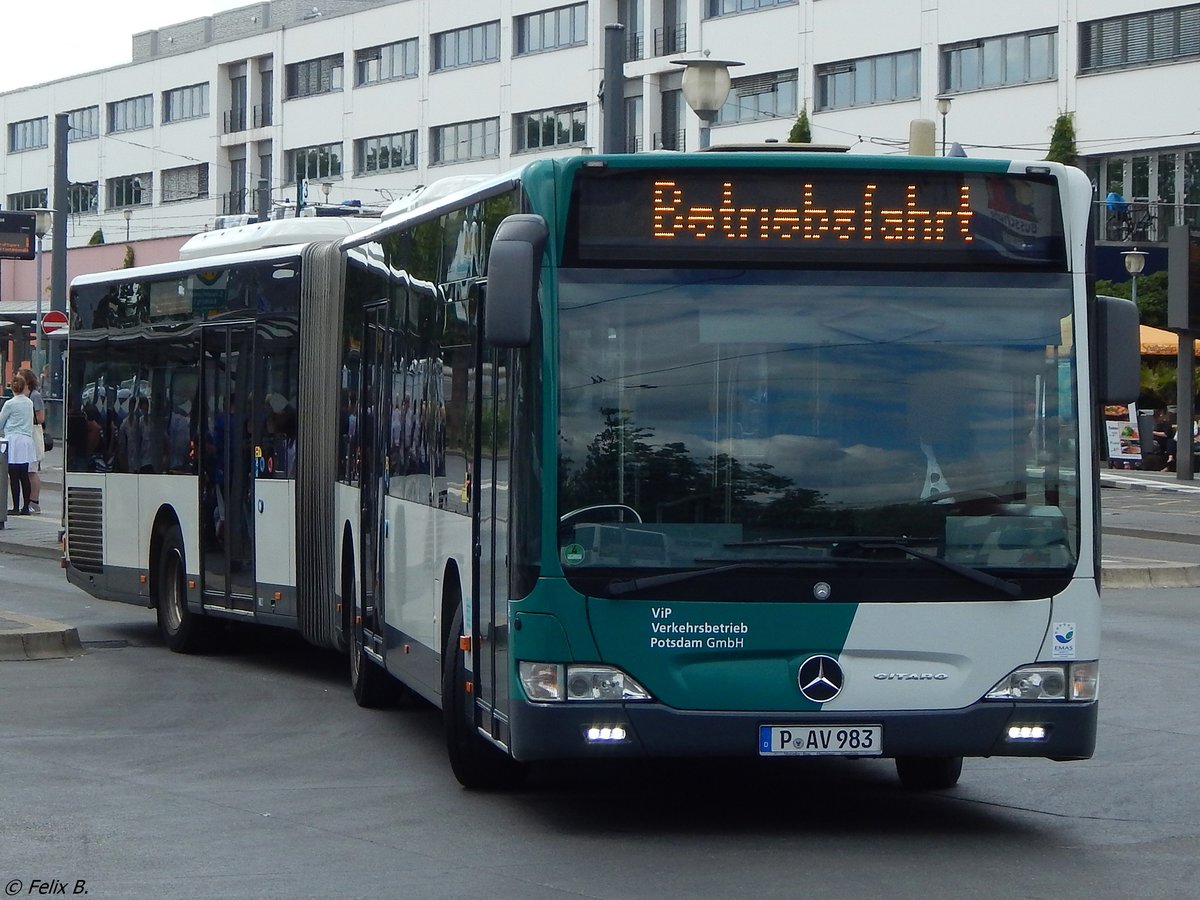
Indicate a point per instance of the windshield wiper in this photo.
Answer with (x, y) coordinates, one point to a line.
(903, 544)
(629, 585)
(857, 540)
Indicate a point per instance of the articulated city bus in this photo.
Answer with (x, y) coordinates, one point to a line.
(658, 455)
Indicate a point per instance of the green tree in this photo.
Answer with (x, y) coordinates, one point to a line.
(1151, 298)
(1157, 383)
(1062, 141)
(801, 132)
(97, 238)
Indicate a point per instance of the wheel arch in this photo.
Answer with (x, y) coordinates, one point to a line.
(452, 598)
(347, 568)
(164, 520)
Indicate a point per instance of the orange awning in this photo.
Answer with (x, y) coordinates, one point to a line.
(1157, 342)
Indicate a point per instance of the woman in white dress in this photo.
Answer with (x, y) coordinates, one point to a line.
(16, 426)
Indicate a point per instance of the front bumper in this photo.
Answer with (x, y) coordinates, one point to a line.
(558, 731)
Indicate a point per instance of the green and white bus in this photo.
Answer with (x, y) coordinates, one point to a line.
(659, 455)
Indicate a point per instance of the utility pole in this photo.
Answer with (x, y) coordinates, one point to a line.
(612, 97)
(58, 253)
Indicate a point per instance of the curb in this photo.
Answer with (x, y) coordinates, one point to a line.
(28, 637)
(1160, 576)
(1130, 484)
(16, 548)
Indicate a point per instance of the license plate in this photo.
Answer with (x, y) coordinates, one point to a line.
(820, 740)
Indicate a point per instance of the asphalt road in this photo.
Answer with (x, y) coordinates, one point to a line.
(251, 773)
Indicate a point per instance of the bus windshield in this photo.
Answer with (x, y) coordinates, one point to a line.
(747, 422)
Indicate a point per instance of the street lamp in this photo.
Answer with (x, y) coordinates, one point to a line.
(326, 187)
(128, 214)
(943, 107)
(705, 87)
(43, 219)
(1135, 261)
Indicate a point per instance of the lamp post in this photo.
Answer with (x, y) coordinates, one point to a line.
(943, 107)
(43, 218)
(1135, 261)
(705, 88)
(326, 187)
(128, 214)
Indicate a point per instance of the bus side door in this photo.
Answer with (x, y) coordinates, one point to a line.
(226, 466)
(495, 443)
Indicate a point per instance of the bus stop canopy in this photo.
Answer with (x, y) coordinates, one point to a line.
(1157, 342)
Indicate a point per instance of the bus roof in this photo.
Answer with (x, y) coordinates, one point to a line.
(277, 233)
(200, 264)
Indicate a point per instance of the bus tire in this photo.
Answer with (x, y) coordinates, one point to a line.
(182, 630)
(372, 686)
(475, 763)
(929, 773)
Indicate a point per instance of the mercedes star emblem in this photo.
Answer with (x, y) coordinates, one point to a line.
(820, 678)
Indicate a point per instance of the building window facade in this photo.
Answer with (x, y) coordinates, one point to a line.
(547, 128)
(83, 124)
(29, 200)
(30, 134)
(672, 136)
(634, 138)
(565, 26)
(768, 96)
(131, 114)
(314, 76)
(716, 8)
(388, 62)
(1140, 39)
(462, 141)
(189, 102)
(183, 183)
(385, 153)
(83, 197)
(999, 61)
(1162, 188)
(873, 79)
(129, 190)
(672, 36)
(321, 161)
(466, 46)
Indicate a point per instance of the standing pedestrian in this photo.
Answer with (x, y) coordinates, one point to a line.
(16, 424)
(39, 440)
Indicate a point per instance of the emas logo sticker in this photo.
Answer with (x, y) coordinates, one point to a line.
(1064, 640)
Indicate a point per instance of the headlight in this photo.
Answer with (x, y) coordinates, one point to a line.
(1078, 681)
(547, 682)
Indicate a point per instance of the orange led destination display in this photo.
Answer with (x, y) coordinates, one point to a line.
(674, 217)
(17, 229)
(815, 217)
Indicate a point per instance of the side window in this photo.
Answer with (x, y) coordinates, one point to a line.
(277, 358)
(455, 423)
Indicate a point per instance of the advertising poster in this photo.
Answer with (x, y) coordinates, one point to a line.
(1124, 443)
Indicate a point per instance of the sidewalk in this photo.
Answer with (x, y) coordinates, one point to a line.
(23, 638)
(38, 535)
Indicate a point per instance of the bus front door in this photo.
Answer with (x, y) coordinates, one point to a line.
(492, 662)
(227, 484)
(375, 400)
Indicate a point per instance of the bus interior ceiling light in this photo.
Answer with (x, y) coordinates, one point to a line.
(546, 682)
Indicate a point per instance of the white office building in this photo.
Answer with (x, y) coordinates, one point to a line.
(367, 99)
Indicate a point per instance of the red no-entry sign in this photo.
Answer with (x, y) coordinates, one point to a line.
(53, 320)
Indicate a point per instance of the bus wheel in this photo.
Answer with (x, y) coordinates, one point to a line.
(475, 762)
(182, 631)
(921, 773)
(372, 686)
